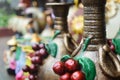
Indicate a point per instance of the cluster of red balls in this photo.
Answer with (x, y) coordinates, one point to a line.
(69, 70)
(37, 59)
(112, 46)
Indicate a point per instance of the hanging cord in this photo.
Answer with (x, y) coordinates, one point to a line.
(75, 52)
(82, 46)
(69, 42)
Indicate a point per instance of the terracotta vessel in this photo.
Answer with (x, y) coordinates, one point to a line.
(106, 63)
(64, 41)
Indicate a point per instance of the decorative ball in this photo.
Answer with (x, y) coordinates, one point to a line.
(71, 65)
(59, 68)
(66, 76)
(77, 75)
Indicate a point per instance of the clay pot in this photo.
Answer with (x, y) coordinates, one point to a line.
(94, 24)
(60, 10)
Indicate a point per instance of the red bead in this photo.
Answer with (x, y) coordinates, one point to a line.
(32, 77)
(112, 47)
(36, 60)
(59, 68)
(35, 47)
(33, 69)
(109, 41)
(42, 45)
(66, 76)
(26, 68)
(78, 75)
(43, 52)
(37, 53)
(71, 65)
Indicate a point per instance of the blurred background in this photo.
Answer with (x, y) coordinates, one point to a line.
(23, 18)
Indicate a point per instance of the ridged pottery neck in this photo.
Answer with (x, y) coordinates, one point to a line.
(94, 22)
(60, 11)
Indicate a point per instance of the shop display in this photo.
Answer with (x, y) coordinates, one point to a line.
(54, 54)
(24, 16)
(98, 60)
